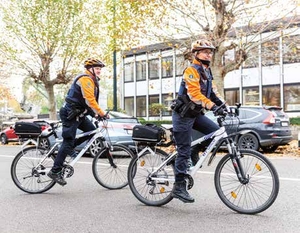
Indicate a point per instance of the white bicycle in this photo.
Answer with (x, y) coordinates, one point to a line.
(30, 166)
(245, 180)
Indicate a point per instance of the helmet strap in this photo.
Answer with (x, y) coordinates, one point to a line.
(204, 62)
(93, 72)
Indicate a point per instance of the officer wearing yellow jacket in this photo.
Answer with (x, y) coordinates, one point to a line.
(195, 94)
(81, 100)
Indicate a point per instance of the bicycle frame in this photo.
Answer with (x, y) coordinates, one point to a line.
(97, 134)
(217, 136)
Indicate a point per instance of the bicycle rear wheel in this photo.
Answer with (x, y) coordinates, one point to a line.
(155, 190)
(254, 196)
(110, 166)
(29, 170)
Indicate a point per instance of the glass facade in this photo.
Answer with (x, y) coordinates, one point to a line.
(167, 66)
(128, 72)
(271, 95)
(129, 105)
(167, 100)
(292, 97)
(157, 75)
(141, 70)
(141, 106)
(232, 96)
(153, 101)
(291, 49)
(154, 69)
(251, 96)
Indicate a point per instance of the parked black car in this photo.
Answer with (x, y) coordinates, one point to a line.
(269, 127)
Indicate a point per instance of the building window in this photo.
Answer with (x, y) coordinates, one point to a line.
(167, 67)
(291, 49)
(232, 97)
(291, 97)
(128, 72)
(251, 96)
(271, 95)
(181, 64)
(167, 100)
(153, 101)
(141, 70)
(154, 69)
(129, 105)
(141, 106)
(252, 58)
(270, 52)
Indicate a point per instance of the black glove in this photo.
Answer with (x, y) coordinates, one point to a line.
(217, 110)
(224, 106)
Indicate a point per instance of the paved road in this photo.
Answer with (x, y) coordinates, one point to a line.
(83, 206)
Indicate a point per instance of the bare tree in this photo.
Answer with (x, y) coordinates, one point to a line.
(233, 25)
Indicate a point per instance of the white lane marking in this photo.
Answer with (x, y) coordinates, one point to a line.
(201, 172)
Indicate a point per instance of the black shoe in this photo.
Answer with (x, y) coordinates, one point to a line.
(57, 177)
(180, 192)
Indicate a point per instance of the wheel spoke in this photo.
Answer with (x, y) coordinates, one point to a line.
(258, 194)
(28, 174)
(156, 191)
(112, 177)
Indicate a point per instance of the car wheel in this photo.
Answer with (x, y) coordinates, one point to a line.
(3, 139)
(248, 141)
(44, 143)
(269, 149)
(96, 146)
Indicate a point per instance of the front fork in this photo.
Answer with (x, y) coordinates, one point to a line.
(235, 156)
(108, 149)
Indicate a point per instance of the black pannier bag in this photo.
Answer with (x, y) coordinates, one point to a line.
(148, 133)
(27, 129)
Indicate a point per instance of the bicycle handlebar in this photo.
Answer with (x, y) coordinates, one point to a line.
(230, 111)
(101, 118)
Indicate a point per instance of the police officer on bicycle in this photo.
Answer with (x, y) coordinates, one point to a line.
(195, 94)
(81, 100)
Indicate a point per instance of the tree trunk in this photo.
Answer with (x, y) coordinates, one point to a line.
(218, 80)
(218, 74)
(52, 103)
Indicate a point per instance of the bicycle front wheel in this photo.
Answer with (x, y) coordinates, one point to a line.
(257, 193)
(29, 170)
(110, 166)
(155, 190)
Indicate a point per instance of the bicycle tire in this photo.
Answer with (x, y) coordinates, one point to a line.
(27, 176)
(108, 176)
(256, 195)
(151, 193)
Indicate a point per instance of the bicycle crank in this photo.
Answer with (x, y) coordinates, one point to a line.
(189, 180)
(68, 171)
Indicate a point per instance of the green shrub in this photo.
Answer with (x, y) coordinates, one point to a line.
(159, 123)
(295, 120)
